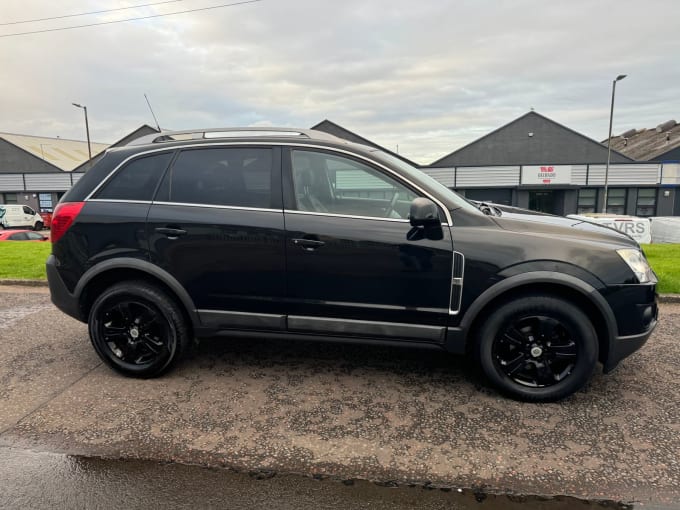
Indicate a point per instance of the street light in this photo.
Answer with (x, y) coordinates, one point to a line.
(87, 129)
(609, 141)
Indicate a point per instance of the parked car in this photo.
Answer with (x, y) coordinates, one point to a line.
(298, 235)
(14, 215)
(21, 235)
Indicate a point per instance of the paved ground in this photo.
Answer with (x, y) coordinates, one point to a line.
(346, 411)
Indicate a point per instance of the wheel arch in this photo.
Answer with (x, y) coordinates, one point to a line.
(113, 271)
(568, 287)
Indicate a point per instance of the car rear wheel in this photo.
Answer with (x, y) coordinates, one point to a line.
(537, 348)
(137, 329)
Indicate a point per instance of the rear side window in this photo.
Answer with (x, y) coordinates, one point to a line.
(240, 177)
(137, 180)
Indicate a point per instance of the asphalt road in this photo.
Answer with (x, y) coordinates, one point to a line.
(351, 412)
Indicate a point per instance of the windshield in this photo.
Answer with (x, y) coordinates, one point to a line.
(454, 198)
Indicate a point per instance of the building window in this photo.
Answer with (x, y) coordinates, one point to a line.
(616, 201)
(587, 201)
(45, 202)
(646, 202)
(10, 198)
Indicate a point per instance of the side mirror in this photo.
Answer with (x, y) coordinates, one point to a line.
(423, 213)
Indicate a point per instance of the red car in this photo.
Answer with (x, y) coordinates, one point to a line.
(21, 235)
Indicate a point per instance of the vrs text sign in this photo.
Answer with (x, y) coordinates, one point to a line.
(546, 174)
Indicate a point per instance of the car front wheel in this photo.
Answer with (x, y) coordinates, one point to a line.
(137, 329)
(537, 348)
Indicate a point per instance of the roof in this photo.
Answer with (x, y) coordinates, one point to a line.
(648, 144)
(332, 128)
(531, 139)
(62, 153)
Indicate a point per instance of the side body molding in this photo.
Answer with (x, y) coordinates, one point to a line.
(456, 338)
(145, 267)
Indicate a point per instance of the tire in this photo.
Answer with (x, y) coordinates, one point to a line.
(38, 226)
(137, 329)
(537, 348)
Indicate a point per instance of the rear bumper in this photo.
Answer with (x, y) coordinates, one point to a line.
(61, 297)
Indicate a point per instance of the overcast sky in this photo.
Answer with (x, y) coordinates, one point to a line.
(428, 76)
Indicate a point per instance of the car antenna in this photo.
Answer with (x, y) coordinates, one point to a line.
(152, 113)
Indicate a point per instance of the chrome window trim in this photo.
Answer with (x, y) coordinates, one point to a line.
(448, 222)
(335, 215)
(120, 201)
(216, 206)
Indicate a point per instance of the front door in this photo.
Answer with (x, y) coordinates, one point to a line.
(216, 225)
(355, 266)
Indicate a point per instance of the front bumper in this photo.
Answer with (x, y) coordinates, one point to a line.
(624, 346)
(61, 297)
(636, 310)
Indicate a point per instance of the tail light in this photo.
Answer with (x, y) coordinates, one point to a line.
(63, 217)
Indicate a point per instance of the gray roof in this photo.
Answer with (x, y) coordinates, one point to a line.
(60, 153)
(332, 128)
(654, 144)
(531, 139)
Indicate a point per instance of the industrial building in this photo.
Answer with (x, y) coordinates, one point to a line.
(537, 163)
(531, 162)
(36, 171)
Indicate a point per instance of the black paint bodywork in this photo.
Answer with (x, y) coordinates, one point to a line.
(283, 272)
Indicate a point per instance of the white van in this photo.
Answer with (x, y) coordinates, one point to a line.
(14, 215)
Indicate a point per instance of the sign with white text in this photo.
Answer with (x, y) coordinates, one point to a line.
(546, 174)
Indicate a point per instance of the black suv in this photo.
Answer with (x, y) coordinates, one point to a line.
(300, 235)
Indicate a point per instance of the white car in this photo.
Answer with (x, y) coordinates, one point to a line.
(14, 215)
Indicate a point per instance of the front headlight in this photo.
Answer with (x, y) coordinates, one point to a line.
(638, 264)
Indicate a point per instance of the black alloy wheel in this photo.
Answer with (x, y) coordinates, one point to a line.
(137, 329)
(535, 351)
(538, 348)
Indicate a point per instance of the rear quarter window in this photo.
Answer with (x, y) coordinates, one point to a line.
(137, 180)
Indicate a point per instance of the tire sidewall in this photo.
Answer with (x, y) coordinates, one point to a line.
(120, 293)
(572, 318)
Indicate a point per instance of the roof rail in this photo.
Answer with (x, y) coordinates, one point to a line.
(247, 132)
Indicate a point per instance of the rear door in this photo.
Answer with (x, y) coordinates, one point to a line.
(216, 225)
(356, 267)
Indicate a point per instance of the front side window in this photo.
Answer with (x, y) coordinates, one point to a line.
(28, 210)
(239, 177)
(616, 201)
(587, 200)
(326, 183)
(646, 202)
(137, 180)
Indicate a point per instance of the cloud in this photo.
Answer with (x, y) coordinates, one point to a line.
(428, 77)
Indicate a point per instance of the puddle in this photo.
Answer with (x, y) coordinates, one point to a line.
(46, 480)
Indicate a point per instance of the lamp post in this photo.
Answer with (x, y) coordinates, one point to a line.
(87, 129)
(609, 141)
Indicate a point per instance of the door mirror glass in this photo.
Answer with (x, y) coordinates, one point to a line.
(423, 212)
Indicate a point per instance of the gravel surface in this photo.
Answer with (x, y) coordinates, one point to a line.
(372, 413)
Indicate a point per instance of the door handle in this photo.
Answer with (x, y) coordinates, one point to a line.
(171, 233)
(308, 244)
